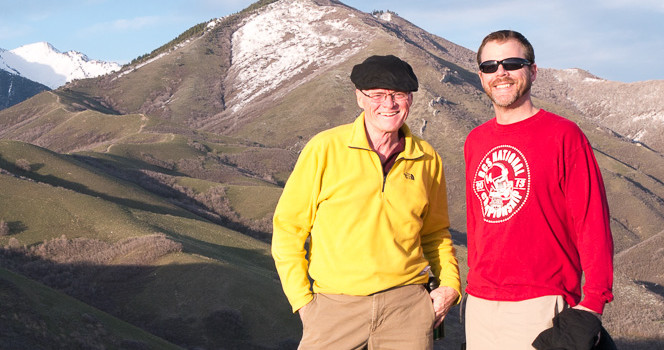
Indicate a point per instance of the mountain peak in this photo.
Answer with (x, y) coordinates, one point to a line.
(43, 63)
(285, 39)
(35, 49)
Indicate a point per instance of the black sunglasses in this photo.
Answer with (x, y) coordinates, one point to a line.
(512, 63)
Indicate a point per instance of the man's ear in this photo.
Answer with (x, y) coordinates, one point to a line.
(359, 95)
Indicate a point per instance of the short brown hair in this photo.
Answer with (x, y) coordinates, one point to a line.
(504, 35)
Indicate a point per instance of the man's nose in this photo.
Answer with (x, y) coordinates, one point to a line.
(389, 100)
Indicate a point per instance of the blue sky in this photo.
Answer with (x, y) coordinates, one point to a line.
(614, 39)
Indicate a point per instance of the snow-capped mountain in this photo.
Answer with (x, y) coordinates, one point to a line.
(43, 63)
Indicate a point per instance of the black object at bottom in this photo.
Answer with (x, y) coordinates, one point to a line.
(438, 332)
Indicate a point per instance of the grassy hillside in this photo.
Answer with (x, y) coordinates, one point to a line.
(102, 239)
(38, 317)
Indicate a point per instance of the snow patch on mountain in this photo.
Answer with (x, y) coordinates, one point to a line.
(286, 39)
(43, 63)
(639, 136)
(386, 16)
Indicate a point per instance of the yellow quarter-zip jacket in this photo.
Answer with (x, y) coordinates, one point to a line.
(368, 232)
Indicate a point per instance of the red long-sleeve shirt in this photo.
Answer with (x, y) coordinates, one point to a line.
(537, 213)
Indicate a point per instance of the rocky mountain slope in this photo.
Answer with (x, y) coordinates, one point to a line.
(633, 110)
(15, 89)
(213, 122)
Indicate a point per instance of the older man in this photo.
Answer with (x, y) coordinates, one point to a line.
(371, 197)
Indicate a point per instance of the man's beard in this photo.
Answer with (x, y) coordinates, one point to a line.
(523, 90)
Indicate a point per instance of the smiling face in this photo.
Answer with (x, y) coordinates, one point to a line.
(383, 117)
(507, 89)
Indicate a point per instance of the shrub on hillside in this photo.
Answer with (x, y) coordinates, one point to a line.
(142, 250)
(4, 228)
(177, 330)
(225, 325)
(130, 344)
(86, 268)
(23, 164)
(13, 243)
(150, 159)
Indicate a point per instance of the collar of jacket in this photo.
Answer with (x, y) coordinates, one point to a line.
(358, 139)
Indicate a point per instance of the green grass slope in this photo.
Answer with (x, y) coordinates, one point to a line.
(37, 317)
(220, 286)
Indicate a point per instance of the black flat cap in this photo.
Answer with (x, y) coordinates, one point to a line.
(384, 72)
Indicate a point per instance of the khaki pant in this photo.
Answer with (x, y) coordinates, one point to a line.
(509, 325)
(399, 318)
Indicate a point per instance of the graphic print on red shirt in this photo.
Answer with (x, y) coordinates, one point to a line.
(502, 183)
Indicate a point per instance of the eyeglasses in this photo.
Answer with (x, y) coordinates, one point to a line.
(512, 63)
(379, 97)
